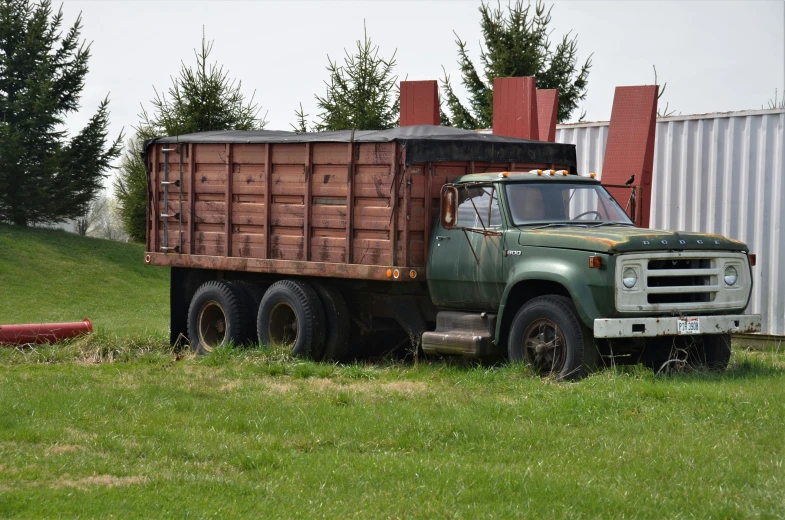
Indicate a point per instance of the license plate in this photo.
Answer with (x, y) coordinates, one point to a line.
(689, 325)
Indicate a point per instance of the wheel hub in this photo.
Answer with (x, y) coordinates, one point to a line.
(544, 346)
(211, 325)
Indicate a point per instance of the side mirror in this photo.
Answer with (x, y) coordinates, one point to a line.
(448, 209)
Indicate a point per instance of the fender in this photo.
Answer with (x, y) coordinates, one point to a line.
(587, 287)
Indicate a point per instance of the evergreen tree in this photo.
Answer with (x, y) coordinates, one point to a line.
(130, 190)
(517, 43)
(46, 175)
(362, 94)
(200, 99)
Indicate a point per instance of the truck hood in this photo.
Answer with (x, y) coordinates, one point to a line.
(623, 239)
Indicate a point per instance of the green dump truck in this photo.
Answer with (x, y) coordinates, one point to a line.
(454, 242)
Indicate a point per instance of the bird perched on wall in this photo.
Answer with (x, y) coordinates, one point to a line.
(630, 180)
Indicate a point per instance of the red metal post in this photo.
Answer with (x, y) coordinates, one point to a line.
(515, 107)
(547, 114)
(419, 103)
(630, 147)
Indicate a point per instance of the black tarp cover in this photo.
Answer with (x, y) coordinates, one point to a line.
(423, 143)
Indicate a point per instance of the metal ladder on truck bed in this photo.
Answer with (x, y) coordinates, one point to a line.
(179, 215)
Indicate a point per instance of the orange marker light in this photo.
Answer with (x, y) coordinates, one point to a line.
(412, 274)
(595, 262)
(539, 172)
(389, 273)
(396, 273)
(593, 175)
(753, 259)
(553, 172)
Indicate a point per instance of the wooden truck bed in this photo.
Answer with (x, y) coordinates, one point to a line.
(339, 204)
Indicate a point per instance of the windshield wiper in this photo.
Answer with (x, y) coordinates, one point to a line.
(612, 224)
(554, 224)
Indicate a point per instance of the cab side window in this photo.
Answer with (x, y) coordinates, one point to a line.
(478, 207)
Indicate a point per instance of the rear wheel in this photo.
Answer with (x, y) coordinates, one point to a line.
(547, 334)
(252, 294)
(217, 315)
(291, 315)
(337, 323)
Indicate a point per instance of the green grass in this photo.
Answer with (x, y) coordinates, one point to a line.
(118, 424)
(254, 434)
(50, 276)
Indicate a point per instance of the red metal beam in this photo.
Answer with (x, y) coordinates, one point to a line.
(515, 107)
(419, 103)
(630, 147)
(547, 114)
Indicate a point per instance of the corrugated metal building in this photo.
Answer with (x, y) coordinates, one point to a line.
(716, 173)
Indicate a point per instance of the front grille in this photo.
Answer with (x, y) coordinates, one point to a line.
(680, 298)
(680, 263)
(682, 281)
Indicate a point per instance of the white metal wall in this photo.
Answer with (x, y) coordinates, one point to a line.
(716, 173)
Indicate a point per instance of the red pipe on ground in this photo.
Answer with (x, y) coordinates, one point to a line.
(43, 332)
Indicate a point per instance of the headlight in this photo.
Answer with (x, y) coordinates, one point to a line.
(731, 275)
(629, 278)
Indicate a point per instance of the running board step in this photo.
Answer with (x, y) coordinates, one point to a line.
(468, 334)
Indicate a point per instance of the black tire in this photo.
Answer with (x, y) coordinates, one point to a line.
(217, 315)
(337, 323)
(558, 344)
(710, 352)
(252, 294)
(291, 314)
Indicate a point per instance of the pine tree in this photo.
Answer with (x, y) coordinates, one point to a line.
(362, 94)
(516, 43)
(200, 99)
(130, 190)
(45, 175)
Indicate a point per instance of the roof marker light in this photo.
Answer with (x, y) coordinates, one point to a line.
(593, 175)
(539, 172)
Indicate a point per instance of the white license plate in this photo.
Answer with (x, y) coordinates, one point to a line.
(689, 325)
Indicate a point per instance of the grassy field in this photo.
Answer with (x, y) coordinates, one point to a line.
(48, 275)
(119, 425)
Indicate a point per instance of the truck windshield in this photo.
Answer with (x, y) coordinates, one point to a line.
(563, 203)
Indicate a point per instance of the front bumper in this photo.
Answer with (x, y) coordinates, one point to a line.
(668, 326)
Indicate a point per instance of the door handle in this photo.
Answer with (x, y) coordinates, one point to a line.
(442, 238)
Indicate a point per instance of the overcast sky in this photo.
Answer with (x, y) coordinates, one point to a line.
(715, 56)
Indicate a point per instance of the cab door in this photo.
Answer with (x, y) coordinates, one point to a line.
(465, 262)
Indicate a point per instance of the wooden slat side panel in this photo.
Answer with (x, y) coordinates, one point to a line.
(372, 213)
(287, 202)
(375, 154)
(330, 154)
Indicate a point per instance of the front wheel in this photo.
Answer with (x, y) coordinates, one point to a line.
(549, 336)
(711, 352)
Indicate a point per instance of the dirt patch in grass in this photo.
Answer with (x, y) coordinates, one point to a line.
(230, 385)
(63, 448)
(100, 480)
(319, 384)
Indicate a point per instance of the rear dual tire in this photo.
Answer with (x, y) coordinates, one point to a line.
(218, 314)
(291, 315)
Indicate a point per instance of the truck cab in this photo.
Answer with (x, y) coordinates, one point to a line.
(546, 267)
